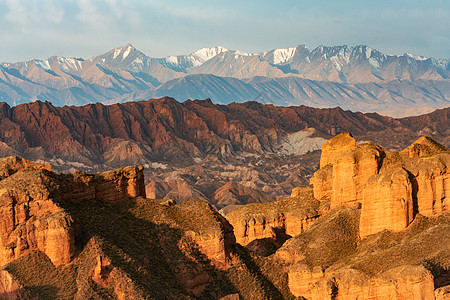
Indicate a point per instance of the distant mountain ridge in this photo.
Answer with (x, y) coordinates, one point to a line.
(357, 78)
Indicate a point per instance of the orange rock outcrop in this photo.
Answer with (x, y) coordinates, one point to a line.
(392, 187)
(10, 289)
(289, 216)
(31, 219)
(387, 203)
(215, 246)
(345, 169)
(404, 282)
(302, 278)
(116, 185)
(31, 215)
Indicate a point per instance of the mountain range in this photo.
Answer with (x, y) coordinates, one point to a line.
(357, 78)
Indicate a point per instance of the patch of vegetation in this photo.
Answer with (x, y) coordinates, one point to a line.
(300, 204)
(42, 279)
(330, 239)
(257, 277)
(426, 239)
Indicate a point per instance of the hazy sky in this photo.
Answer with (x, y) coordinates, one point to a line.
(85, 28)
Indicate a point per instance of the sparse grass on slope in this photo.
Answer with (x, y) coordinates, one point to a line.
(42, 279)
(333, 237)
(297, 205)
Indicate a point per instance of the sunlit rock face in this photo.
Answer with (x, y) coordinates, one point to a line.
(392, 187)
(31, 215)
(345, 168)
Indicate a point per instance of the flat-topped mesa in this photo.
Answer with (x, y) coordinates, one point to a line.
(391, 187)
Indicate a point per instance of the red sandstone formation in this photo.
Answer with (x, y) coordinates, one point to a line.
(32, 217)
(389, 185)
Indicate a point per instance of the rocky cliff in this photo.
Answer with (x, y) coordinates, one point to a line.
(383, 205)
(373, 224)
(275, 221)
(32, 215)
(378, 224)
(392, 187)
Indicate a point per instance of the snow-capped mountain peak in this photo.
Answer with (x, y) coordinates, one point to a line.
(192, 60)
(205, 54)
(119, 56)
(283, 55)
(415, 57)
(121, 53)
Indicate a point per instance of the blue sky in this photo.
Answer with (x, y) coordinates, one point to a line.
(84, 28)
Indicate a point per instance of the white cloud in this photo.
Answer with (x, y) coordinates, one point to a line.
(17, 13)
(89, 14)
(28, 15)
(187, 10)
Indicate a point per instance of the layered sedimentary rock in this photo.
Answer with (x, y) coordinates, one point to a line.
(31, 215)
(345, 169)
(130, 241)
(32, 220)
(329, 261)
(289, 216)
(431, 180)
(337, 145)
(392, 187)
(405, 192)
(113, 186)
(404, 282)
(387, 203)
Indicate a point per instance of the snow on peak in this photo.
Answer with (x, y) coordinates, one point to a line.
(368, 52)
(172, 59)
(70, 64)
(283, 55)
(416, 57)
(205, 54)
(124, 51)
(43, 64)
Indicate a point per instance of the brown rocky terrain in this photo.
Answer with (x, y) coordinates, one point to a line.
(196, 147)
(391, 186)
(381, 231)
(379, 224)
(82, 236)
